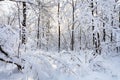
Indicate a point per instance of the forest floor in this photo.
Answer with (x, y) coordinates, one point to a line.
(40, 65)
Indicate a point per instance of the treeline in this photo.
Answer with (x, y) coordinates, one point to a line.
(66, 24)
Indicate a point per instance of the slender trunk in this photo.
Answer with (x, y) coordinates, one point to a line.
(98, 45)
(59, 26)
(38, 33)
(119, 16)
(38, 30)
(24, 24)
(111, 39)
(111, 35)
(92, 5)
(47, 34)
(73, 16)
(104, 32)
(19, 29)
(80, 38)
(98, 35)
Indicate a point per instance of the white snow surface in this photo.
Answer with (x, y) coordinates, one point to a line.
(66, 65)
(40, 65)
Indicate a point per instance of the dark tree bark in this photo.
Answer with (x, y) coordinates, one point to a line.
(11, 62)
(24, 24)
(98, 47)
(104, 33)
(119, 16)
(38, 31)
(111, 38)
(2, 51)
(111, 35)
(73, 20)
(59, 34)
(92, 5)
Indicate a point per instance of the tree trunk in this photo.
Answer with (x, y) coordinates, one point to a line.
(119, 16)
(38, 30)
(92, 5)
(24, 24)
(59, 26)
(98, 46)
(104, 32)
(73, 16)
(47, 34)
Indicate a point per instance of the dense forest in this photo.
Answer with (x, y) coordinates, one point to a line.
(59, 39)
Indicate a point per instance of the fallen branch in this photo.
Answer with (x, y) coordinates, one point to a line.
(6, 54)
(2, 51)
(18, 65)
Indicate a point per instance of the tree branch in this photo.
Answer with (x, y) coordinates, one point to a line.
(2, 51)
(18, 65)
(6, 54)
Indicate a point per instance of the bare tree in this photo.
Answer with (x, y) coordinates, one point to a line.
(119, 23)
(38, 30)
(73, 20)
(58, 26)
(24, 24)
(92, 6)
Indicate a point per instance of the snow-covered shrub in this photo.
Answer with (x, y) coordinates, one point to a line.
(9, 39)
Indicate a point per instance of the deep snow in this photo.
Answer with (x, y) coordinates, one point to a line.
(40, 65)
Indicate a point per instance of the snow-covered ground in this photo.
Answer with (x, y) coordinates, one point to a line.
(40, 65)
